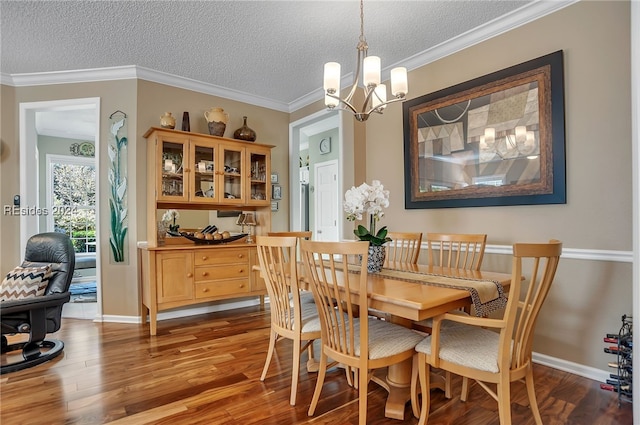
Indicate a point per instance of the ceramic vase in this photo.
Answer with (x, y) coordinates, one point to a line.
(186, 125)
(377, 255)
(167, 121)
(245, 133)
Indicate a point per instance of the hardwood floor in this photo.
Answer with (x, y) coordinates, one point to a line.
(206, 370)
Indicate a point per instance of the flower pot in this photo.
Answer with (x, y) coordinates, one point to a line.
(377, 254)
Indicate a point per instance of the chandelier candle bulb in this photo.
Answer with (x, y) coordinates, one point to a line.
(330, 102)
(379, 96)
(399, 84)
(332, 77)
(371, 75)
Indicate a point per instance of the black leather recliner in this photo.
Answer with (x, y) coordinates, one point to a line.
(41, 315)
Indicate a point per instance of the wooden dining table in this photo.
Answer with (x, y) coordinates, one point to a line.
(408, 301)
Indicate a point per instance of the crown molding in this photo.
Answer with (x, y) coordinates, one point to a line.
(519, 17)
(136, 72)
(523, 15)
(74, 76)
(211, 89)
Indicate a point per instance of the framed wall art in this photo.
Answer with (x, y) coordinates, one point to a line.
(276, 192)
(494, 140)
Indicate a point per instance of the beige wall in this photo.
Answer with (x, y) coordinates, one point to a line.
(120, 293)
(588, 297)
(9, 233)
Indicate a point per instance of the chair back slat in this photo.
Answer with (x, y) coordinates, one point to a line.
(451, 250)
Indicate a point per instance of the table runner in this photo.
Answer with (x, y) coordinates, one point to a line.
(487, 295)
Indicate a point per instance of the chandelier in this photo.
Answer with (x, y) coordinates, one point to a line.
(509, 144)
(375, 94)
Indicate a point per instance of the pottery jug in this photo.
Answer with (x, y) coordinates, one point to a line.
(216, 115)
(167, 121)
(217, 119)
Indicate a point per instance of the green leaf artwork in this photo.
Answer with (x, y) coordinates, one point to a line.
(118, 195)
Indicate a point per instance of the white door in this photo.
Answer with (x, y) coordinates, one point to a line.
(327, 204)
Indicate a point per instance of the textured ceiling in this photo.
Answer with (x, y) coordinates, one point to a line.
(268, 49)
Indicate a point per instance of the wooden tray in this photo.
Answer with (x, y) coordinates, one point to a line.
(214, 242)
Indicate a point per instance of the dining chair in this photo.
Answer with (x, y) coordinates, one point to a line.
(456, 250)
(403, 248)
(492, 350)
(290, 318)
(359, 343)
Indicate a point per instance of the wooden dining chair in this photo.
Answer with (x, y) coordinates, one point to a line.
(362, 344)
(403, 248)
(488, 350)
(290, 318)
(456, 250)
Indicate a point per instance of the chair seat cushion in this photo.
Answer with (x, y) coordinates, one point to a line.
(387, 339)
(310, 319)
(25, 282)
(459, 341)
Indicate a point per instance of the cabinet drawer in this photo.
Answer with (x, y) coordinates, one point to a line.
(222, 256)
(218, 288)
(229, 271)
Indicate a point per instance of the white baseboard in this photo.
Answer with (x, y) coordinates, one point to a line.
(571, 367)
(176, 314)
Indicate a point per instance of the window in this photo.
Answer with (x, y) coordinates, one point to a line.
(71, 199)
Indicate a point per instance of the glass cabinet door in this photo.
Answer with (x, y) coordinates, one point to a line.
(260, 176)
(233, 174)
(203, 154)
(171, 186)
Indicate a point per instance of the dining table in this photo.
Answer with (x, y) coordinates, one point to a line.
(414, 292)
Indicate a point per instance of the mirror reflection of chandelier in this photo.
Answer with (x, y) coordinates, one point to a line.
(375, 94)
(509, 144)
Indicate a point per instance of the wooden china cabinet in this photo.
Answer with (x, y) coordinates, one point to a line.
(197, 171)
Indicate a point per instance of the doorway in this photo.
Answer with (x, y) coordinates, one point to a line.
(300, 133)
(59, 142)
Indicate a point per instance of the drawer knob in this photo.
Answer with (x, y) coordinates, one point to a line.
(241, 285)
(205, 289)
(189, 275)
(240, 271)
(205, 258)
(205, 273)
(240, 255)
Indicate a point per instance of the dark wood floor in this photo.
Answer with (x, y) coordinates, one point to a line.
(206, 370)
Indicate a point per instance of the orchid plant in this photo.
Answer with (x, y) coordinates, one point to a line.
(370, 200)
(170, 216)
